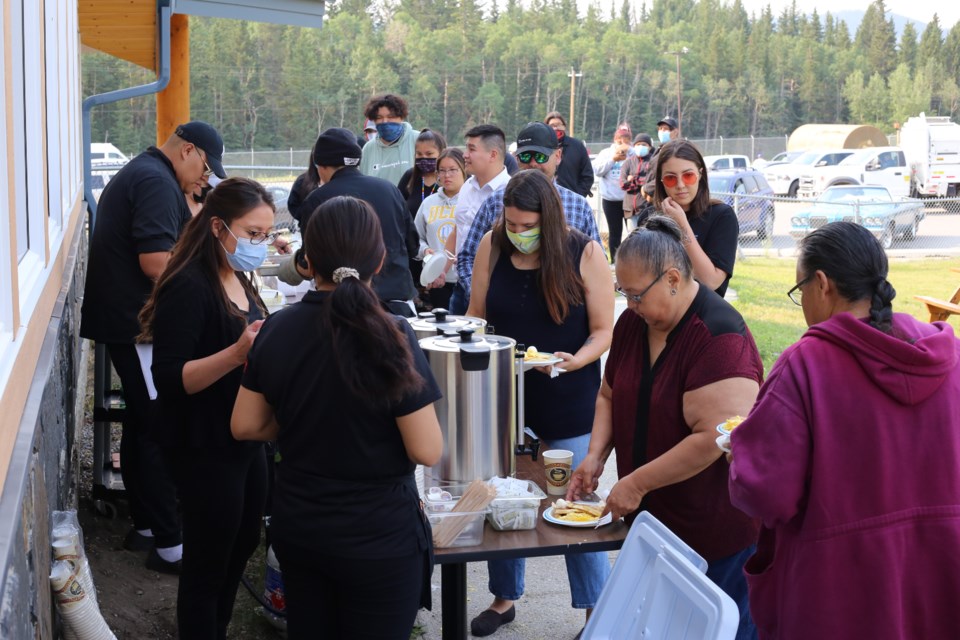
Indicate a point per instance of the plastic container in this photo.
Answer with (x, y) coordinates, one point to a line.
(516, 513)
(472, 533)
(273, 591)
(440, 500)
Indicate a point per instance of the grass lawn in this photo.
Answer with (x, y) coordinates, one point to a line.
(762, 284)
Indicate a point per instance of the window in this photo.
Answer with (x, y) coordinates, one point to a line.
(740, 163)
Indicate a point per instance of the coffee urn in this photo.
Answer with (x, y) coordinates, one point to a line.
(477, 376)
(439, 322)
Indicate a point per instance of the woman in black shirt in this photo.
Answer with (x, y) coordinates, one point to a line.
(346, 391)
(202, 317)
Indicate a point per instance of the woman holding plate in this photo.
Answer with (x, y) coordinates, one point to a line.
(681, 362)
(546, 285)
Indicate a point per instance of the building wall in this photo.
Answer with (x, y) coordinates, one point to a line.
(42, 235)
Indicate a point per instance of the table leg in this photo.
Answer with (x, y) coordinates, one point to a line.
(453, 600)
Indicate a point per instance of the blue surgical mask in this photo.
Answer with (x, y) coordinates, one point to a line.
(390, 131)
(664, 136)
(642, 150)
(526, 241)
(248, 256)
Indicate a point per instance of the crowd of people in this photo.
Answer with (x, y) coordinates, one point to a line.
(803, 524)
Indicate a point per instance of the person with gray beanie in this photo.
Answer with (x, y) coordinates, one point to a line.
(634, 174)
(336, 155)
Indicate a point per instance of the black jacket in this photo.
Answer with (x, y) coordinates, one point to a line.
(394, 282)
(575, 171)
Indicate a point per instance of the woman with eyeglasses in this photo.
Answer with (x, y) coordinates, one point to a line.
(546, 285)
(681, 362)
(202, 318)
(435, 222)
(851, 460)
(710, 227)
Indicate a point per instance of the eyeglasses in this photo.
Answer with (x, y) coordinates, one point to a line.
(535, 156)
(448, 171)
(207, 170)
(255, 237)
(795, 294)
(638, 298)
(689, 178)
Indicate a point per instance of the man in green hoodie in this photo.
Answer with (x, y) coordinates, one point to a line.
(391, 152)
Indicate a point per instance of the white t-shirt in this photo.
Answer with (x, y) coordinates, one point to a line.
(472, 195)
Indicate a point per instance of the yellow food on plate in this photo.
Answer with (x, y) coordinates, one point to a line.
(533, 355)
(577, 511)
(731, 423)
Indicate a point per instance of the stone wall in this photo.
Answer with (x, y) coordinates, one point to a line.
(42, 476)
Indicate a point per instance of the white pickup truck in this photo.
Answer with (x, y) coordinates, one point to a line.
(784, 178)
(881, 166)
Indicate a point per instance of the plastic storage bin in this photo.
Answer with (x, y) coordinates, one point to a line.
(516, 513)
(472, 533)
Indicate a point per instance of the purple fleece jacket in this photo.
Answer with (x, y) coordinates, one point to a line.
(851, 459)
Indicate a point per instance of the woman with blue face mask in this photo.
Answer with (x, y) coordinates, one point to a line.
(202, 318)
(549, 286)
(633, 175)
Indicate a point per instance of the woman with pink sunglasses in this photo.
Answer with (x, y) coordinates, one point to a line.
(710, 227)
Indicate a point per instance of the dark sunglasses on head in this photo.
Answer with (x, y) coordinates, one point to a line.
(526, 157)
(689, 178)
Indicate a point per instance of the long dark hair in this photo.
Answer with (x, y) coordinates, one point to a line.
(426, 135)
(231, 199)
(850, 256)
(311, 179)
(560, 282)
(684, 150)
(457, 156)
(344, 232)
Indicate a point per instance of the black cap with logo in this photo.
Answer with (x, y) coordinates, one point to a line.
(205, 137)
(536, 136)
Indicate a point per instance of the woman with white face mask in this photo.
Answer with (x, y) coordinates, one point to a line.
(546, 285)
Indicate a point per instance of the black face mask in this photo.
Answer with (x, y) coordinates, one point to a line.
(203, 194)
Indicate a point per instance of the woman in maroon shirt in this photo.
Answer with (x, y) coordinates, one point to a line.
(682, 362)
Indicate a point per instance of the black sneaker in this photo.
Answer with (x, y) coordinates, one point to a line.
(156, 563)
(136, 541)
(489, 621)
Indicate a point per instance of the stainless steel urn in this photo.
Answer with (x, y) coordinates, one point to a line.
(439, 321)
(477, 375)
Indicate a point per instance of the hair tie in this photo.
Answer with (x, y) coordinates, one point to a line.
(342, 273)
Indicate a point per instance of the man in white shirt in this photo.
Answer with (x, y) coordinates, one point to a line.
(484, 157)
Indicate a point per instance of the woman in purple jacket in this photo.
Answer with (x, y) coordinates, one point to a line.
(851, 459)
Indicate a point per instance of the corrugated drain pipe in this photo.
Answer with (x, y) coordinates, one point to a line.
(164, 10)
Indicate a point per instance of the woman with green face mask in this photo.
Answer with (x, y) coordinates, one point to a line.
(548, 286)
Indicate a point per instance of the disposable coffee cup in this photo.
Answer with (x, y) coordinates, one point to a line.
(558, 465)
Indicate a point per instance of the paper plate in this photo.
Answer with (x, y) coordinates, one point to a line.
(723, 441)
(548, 516)
(545, 362)
(433, 266)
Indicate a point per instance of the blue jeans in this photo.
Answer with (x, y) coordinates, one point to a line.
(728, 575)
(587, 572)
(459, 300)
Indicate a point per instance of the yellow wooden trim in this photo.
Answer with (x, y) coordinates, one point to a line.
(11, 173)
(125, 29)
(13, 396)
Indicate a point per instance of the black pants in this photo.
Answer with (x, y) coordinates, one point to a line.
(222, 493)
(613, 212)
(329, 596)
(145, 466)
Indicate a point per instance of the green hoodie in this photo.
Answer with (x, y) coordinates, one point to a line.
(390, 162)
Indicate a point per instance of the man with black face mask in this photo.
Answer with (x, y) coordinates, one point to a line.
(391, 152)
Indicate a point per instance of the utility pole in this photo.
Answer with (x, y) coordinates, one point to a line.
(573, 75)
(680, 52)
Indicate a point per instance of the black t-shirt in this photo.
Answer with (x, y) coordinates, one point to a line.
(190, 323)
(718, 232)
(345, 478)
(141, 210)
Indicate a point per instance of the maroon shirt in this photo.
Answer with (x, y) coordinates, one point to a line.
(710, 343)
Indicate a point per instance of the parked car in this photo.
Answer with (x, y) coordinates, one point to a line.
(104, 153)
(785, 178)
(880, 166)
(873, 207)
(719, 163)
(280, 194)
(751, 197)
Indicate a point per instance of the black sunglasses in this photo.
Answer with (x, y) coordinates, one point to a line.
(527, 156)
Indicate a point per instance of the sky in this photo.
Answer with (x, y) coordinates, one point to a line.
(948, 11)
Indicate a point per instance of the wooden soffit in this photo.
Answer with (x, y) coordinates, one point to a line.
(126, 29)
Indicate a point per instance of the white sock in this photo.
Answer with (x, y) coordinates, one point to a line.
(147, 533)
(170, 554)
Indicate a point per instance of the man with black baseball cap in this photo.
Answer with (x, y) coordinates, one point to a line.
(139, 218)
(668, 129)
(537, 148)
(337, 155)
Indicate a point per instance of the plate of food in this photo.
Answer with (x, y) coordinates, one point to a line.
(574, 514)
(723, 442)
(533, 358)
(726, 427)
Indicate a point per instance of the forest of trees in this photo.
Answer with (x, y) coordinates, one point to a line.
(461, 62)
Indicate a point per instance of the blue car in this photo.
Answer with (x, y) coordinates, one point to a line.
(747, 191)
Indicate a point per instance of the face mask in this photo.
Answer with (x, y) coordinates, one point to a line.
(560, 134)
(642, 150)
(248, 256)
(390, 131)
(426, 165)
(664, 136)
(526, 241)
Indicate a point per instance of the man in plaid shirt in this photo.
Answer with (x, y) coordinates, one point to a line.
(537, 148)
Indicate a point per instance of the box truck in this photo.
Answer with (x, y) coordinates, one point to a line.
(932, 147)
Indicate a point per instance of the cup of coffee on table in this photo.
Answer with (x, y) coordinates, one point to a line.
(557, 463)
